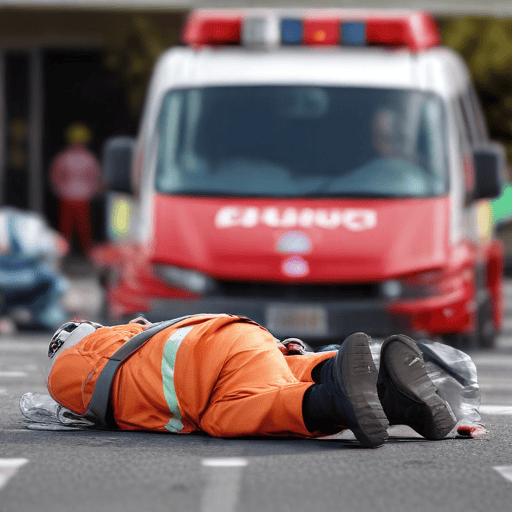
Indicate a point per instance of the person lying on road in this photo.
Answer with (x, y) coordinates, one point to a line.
(227, 376)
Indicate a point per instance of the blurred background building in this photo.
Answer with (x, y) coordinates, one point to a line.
(63, 61)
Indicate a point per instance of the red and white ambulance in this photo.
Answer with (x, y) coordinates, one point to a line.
(319, 171)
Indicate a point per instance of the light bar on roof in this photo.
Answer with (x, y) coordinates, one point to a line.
(416, 30)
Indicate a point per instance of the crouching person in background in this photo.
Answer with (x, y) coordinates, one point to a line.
(31, 285)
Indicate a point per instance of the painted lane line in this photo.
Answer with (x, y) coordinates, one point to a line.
(225, 463)
(13, 374)
(8, 468)
(491, 360)
(498, 386)
(504, 471)
(31, 346)
(223, 484)
(504, 410)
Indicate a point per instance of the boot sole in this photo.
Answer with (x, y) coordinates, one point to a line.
(404, 368)
(357, 376)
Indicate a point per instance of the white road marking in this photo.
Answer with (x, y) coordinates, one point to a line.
(505, 410)
(504, 471)
(32, 346)
(13, 374)
(491, 359)
(8, 468)
(222, 489)
(225, 463)
(496, 384)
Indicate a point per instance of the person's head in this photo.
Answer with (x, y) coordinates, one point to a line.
(74, 331)
(68, 335)
(78, 133)
(387, 133)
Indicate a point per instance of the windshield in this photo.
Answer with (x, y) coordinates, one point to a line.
(297, 141)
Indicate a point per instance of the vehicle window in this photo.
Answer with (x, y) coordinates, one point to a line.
(465, 148)
(296, 141)
(473, 117)
(476, 108)
(468, 122)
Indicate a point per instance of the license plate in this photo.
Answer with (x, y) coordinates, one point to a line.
(297, 320)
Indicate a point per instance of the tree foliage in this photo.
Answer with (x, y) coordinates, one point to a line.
(134, 47)
(486, 46)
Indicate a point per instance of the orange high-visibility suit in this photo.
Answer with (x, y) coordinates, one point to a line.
(221, 374)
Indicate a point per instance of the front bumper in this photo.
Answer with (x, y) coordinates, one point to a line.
(314, 317)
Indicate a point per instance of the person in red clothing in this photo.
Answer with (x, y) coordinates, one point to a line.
(229, 377)
(75, 176)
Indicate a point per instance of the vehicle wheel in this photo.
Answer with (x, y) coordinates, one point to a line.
(106, 280)
(461, 341)
(486, 331)
(484, 336)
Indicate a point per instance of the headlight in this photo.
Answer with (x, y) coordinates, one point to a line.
(186, 279)
(391, 289)
(416, 286)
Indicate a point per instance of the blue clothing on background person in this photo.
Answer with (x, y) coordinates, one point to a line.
(30, 282)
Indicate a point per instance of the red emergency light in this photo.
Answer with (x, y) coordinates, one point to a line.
(203, 30)
(321, 32)
(416, 30)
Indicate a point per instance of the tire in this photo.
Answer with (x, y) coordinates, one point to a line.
(484, 335)
(461, 341)
(106, 279)
(486, 331)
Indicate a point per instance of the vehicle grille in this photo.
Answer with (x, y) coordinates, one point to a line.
(276, 291)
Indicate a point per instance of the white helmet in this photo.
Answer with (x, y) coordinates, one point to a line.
(70, 334)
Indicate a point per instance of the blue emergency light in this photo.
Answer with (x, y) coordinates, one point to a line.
(291, 31)
(353, 33)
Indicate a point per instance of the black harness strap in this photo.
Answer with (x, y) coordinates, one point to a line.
(100, 410)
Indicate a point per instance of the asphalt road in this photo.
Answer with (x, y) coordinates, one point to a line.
(78, 471)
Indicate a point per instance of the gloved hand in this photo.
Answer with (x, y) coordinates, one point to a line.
(142, 321)
(294, 346)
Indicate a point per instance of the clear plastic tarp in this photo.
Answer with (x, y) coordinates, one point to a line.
(455, 375)
(44, 413)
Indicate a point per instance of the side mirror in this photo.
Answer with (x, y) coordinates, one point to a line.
(117, 163)
(489, 162)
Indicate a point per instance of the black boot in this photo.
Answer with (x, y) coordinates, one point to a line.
(408, 395)
(346, 395)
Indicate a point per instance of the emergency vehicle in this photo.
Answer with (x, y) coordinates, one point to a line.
(321, 171)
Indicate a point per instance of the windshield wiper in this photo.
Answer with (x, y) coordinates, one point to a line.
(309, 195)
(210, 193)
(357, 195)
